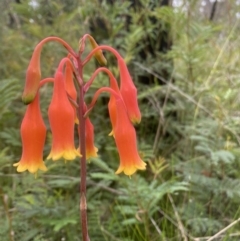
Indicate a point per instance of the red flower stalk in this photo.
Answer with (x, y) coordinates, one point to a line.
(125, 138)
(33, 134)
(61, 118)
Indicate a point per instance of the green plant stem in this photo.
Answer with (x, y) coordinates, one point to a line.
(83, 170)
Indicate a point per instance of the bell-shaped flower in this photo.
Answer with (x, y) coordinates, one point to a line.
(128, 92)
(61, 119)
(33, 134)
(91, 150)
(126, 142)
(33, 76)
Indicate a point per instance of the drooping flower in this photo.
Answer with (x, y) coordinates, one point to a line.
(126, 142)
(33, 134)
(91, 150)
(61, 119)
(33, 76)
(128, 92)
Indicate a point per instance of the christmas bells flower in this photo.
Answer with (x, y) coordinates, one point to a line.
(126, 141)
(33, 76)
(129, 92)
(124, 134)
(33, 133)
(61, 118)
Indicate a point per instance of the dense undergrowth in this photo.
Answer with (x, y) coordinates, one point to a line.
(189, 135)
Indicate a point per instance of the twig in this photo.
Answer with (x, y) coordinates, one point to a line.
(223, 230)
(157, 228)
(111, 190)
(180, 225)
(109, 234)
(221, 236)
(176, 89)
(8, 216)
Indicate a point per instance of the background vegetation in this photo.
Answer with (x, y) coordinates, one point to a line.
(189, 135)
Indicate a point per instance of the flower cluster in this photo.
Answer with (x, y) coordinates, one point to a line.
(68, 108)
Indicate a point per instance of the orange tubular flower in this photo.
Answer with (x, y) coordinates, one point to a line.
(128, 92)
(33, 76)
(91, 150)
(125, 138)
(33, 134)
(61, 118)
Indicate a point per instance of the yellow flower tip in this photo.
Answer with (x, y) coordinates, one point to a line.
(131, 169)
(111, 133)
(76, 121)
(71, 154)
(20, 167)
(92, 153)
(135, 120)
(28, 98)
(31, 167)
(68, 155)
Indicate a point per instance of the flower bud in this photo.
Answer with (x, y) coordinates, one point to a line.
(99, 54)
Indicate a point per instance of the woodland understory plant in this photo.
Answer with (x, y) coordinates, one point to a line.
(68, 108)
